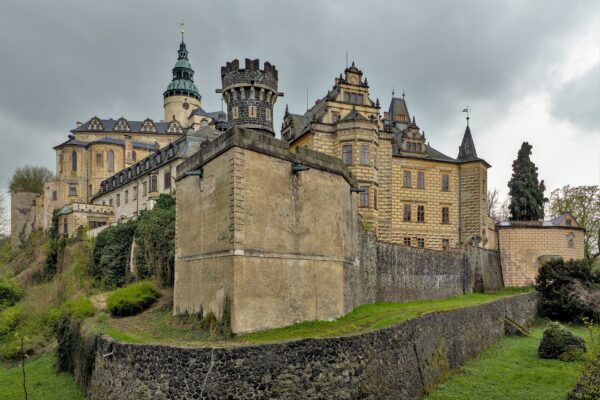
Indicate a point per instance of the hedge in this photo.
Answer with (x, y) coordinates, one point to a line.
(133, 299)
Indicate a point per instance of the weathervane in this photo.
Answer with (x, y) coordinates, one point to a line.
(468, 111)
(182, 30)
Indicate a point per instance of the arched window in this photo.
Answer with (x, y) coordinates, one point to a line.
(571, 240)
(74, 161)
(111, 160)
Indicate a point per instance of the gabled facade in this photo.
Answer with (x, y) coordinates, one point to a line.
(409, 193)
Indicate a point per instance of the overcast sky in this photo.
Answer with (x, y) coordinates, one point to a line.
(529, 70)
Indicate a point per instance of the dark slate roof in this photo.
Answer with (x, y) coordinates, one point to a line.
(354, 115)
(216, 115)
(466, 151)
(109, 124)
(398, 106)
(105, 140)
(555, 222)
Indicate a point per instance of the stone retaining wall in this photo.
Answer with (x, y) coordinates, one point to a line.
(400, 362)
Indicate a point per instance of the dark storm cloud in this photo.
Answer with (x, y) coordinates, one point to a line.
(69, 60)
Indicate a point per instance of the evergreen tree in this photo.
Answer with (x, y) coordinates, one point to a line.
(526, 194)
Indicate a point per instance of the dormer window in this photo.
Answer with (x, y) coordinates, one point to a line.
(95, 125)
(569, 222)
(122, 126)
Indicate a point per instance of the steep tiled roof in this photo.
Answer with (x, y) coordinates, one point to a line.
(106, 140)
(109, 125)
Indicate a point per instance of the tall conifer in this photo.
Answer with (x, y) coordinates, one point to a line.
(526, 193)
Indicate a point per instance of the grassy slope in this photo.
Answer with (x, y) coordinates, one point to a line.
(157, 324)
(511, 369)
(42, 381)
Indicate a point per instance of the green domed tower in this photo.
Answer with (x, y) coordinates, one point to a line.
(182, 96)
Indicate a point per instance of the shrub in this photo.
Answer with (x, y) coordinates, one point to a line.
(80, 307)
(155, 240)
(568, 290)
(111, 254)
(10, 292)
(559, 342)
(133, 299)
(9, 320)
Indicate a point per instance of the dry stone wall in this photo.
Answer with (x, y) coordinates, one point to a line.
(400, 362)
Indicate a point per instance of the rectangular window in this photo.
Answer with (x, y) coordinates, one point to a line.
(126, 196)
(252, 111)
(99, 160)
(445, 182)
(153, 183)
(375, 199)
(364, 196)
(421, 242)
(420, 213)
(445, 215)
(445, 244)
(65, 226)
(144, 188)
(234, 113)
(364, 154)
(420, 180)
(268, 114)
(347, 154)
(407, 241)
(72, 190)
(407, 212)
(118, 200)
(134, 190)
(167, 180)
(110, 202)
(335, 117)
(54, 195)
(359, 99)
(406, 181)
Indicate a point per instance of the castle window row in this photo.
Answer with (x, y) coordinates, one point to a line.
(407, 214)
(420, 242)
(353, 98)
(347, 155)
(144, 166)
(407, 180)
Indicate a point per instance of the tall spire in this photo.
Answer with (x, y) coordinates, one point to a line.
(182, 83)
(466, 151)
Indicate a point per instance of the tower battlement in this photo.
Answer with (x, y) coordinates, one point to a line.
(250, 94)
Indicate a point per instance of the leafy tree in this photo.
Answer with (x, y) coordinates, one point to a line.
(29, 179)
(526, 194)
(583, 202)
(3, 216)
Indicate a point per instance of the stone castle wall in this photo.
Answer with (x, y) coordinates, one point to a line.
(523, 249)
(399, 362)
(22, 215)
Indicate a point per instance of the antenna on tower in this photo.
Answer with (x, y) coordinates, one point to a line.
(182, 30)
(306, 99)
(468, 111)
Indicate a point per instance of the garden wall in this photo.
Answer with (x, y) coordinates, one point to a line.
(400, 362)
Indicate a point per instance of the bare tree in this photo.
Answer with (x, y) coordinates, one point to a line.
(492, 203)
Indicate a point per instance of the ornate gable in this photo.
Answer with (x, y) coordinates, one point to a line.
(413, 141)
(95, 124)
(148, 126)
(122, 126)
(174, 127)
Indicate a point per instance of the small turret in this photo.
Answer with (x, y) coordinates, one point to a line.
(250, 94)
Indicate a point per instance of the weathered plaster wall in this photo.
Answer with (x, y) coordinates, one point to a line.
(400, 362)
(275, 242)
(22, 215)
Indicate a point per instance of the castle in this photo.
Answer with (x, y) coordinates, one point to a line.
(252, 208)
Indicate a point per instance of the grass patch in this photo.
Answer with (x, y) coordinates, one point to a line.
(79, 307)
(43, 382)
(511, 369)
(374, 316)
(132, 299)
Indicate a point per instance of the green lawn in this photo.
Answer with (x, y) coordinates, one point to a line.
(373, 316)
(511, 369)
(43, 382)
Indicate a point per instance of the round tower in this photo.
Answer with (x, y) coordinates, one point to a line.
(181, 96)
(250, 94)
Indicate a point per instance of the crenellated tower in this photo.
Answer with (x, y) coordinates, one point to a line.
(250, 94)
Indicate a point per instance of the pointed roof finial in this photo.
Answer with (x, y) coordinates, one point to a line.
(182, 29)
(393, 92)
(403, 93)
(286, 110)
(414, 119)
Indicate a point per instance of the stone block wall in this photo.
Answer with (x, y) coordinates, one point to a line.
(399, 362)
(522, 250)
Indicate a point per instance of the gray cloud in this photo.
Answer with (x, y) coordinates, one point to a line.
(64, 62)
(579, 100)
